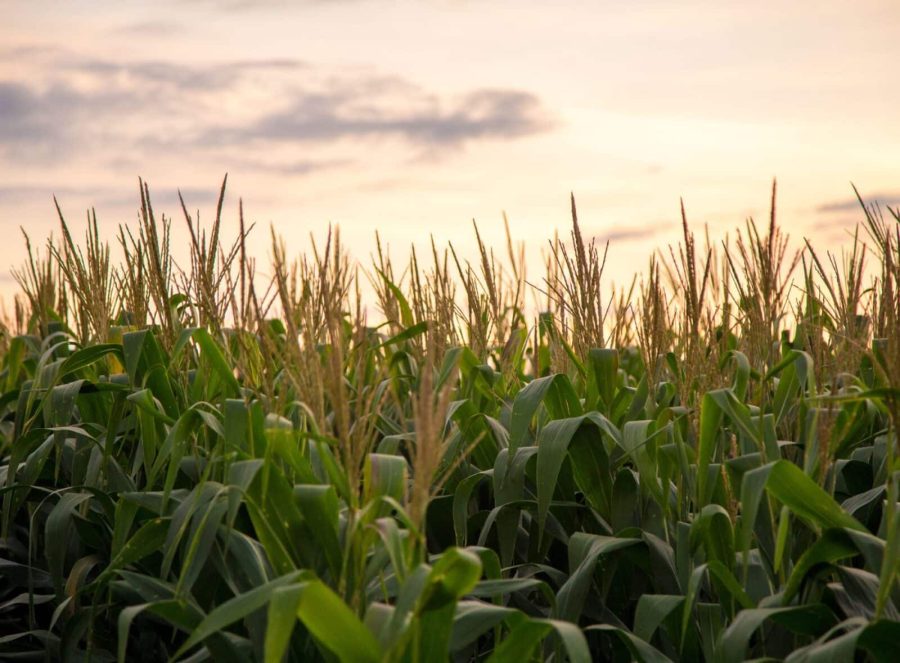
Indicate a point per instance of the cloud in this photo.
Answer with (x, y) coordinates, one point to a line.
(626, 234)
(493, 114)
(46, 119)
(297, 167)
(66, 104)
(149, 28)
(263, 5)
(28, 115)
(153, 75)
(193, 196)
(852, 204)
(17, 193)
(103, 198)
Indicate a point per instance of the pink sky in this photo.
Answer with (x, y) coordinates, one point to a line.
(416, 117)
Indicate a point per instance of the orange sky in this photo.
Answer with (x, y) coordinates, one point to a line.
(416, 117)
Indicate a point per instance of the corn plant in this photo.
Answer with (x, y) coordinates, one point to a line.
(198, 463)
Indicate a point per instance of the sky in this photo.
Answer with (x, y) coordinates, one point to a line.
(415, 118)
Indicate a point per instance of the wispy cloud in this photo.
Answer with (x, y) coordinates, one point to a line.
(291, 167)
(149, 28)
(17, 193)
(891, 199)
(264, 5)
(31, 117)
(491, 114)
(627, 234)
(76, 104)
(107, 198)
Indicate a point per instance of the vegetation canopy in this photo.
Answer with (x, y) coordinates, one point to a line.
(201, 463)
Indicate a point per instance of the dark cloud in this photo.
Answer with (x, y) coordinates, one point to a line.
(852, 204)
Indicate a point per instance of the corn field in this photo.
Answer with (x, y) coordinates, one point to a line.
(449, 459)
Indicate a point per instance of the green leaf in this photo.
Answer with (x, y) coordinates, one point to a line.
(211, 358)
(234, 609)
(638, 648)
(592, 471)
(525, 636)
(787, 483)
(147, 540)
(796, 371)
(602, 377)
(715, 405)
(811, 619)
(147, 367)
(385, 476)
(455, 574)
(335, 626)
(831, 546)
(320, 508)
(794, 489)
(652, 610)
(584, 551)
(638, 438)
(57, 532)
(558, 395)
(521, 642)
(84, 357)
(713, 530)
(461, 497)
(406, 315)
(474, 618)
(282, 617)
(408, 333)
